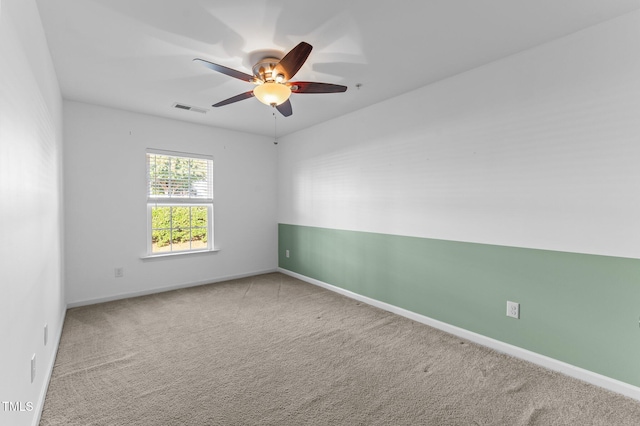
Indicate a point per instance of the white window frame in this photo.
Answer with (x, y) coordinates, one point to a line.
(164, 201)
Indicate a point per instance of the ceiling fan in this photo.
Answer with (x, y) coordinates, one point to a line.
(272, 79)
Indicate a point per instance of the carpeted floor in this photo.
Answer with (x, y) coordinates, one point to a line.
(272, 350)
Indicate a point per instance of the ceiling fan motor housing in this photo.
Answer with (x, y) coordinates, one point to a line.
(265, 70)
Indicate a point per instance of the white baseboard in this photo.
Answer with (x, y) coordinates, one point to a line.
(52, 363)
(163, 289)
(550, 363)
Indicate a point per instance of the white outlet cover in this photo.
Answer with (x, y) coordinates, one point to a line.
(513, 309)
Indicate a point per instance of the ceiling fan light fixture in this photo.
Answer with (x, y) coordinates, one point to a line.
(270, 93)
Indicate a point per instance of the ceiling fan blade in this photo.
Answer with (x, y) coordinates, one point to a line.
(285, 108)
(313, 87)
(236, 98)
(292, 61)
(225, 70)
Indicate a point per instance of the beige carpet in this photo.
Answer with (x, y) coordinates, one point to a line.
(272, 350)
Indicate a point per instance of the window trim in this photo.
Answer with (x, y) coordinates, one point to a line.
(177, 254)
(182, 202)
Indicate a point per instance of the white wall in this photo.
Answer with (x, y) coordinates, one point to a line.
(105, 202)
(538, 150)
(31, 278)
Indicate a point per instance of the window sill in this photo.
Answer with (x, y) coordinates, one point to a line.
(178, 254)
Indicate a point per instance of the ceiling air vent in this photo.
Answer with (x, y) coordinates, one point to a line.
(190, 108)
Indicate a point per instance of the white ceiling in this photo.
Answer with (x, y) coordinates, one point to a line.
(137, 54)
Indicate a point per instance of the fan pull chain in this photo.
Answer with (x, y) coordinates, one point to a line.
(275, 129)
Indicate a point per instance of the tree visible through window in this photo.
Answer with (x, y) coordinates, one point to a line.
(179, 202)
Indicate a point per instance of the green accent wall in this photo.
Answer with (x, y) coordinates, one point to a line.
(577, 308)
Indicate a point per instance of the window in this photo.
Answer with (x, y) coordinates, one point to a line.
(179, 202)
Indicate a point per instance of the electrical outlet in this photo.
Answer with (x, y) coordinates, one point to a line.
(119, 272)
(46, 334)
(287, 253)
(33, 367)
(513, 309)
